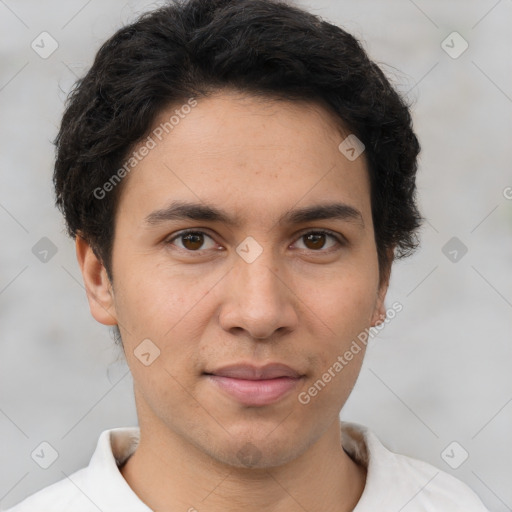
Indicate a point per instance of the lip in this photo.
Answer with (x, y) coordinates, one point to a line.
(255, 386)
(251, 372)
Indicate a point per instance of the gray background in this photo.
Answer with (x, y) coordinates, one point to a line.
(438, 373)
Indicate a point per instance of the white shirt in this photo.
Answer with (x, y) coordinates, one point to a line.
(394, 482)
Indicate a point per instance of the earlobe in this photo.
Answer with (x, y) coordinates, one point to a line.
(379, 313)
(379, 316)
(97, 284)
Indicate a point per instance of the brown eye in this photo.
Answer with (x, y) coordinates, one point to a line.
(317, 240)
(191, 240)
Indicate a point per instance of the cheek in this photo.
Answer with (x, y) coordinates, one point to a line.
(344, 303)
(172, 310)
(163, 310)
(342, 310)
(153, 301)
(342, 314)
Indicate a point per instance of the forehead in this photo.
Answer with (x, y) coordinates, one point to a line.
(246, 153)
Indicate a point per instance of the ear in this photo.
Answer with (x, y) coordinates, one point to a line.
(379, 313)
(97, 284)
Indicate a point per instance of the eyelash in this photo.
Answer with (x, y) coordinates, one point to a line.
(338, 238)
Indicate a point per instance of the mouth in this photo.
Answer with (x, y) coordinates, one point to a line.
(255, 386)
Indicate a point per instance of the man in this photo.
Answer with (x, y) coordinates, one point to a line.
(239, 177)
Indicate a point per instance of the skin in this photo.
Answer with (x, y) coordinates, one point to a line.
(299, 302)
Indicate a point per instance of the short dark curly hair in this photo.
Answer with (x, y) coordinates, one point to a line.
(268, 48)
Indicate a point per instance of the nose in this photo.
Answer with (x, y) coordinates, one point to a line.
(258, 299)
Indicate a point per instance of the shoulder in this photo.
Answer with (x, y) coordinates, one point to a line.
(425, 485)
(397, 481)
(63, 495)
(99, 486)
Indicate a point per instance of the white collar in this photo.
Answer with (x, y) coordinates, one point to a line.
(393, 481)
(116, 445)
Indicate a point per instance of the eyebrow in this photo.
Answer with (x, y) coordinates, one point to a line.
(180, 210)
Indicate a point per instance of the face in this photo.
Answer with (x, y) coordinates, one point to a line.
(244, 264)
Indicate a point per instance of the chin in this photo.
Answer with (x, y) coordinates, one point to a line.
(258, 448)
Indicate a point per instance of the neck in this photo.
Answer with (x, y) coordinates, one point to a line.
(167, 473)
